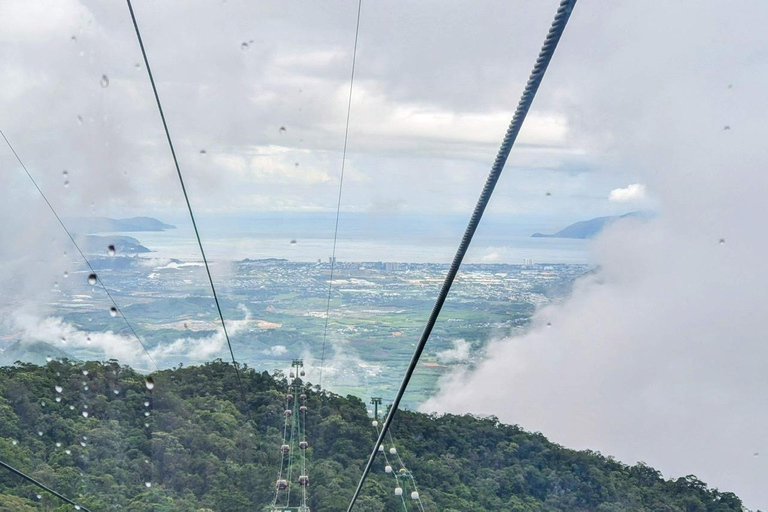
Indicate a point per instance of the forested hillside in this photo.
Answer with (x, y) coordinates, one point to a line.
(191, 444)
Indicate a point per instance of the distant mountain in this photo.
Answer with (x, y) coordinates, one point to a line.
(588, 228)
(30, 352)
(85, 225)
(93, 244)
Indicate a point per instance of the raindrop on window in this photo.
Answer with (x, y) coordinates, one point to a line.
(150, 383)
(104, 81)
(111, 250)
(113, 311)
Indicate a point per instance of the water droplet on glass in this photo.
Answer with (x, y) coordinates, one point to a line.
(58, 389)
(85, 414)
(148, 484)
(113, 311)
(104, 81)
(111, 250)
(244, 46)
(150, 383)
(282, 129)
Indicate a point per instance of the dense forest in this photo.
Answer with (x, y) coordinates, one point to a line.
(197, 442)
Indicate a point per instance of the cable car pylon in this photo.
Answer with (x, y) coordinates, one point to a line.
(294, 437)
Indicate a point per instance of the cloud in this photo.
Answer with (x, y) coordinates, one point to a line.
(277, 350)
(630, 194)
(203, 348)
(458, 354)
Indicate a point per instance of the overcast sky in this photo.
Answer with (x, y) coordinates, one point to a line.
(647, 105)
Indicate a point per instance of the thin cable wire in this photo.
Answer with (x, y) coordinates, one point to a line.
(341, 187)
(186, 197)
(72, 238)
(43, 486)
(523, 106)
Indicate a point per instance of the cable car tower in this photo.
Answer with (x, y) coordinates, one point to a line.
(294, 442)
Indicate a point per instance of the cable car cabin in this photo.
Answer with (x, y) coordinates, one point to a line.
(288, 413)
(414, 495)
(291, 375)
(303, 445)
(303, 397)
(285, 449)
(387, 468)
(281, 485)
(398, 491)
(303, 408)
(393, 451)
(302, 373)
(304, 480)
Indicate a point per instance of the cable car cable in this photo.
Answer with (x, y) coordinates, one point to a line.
(43, 486)
(341, 187)
(72, 239)
(186, 196)
(523, 106)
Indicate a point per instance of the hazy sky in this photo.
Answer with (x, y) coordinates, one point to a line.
(659, 357)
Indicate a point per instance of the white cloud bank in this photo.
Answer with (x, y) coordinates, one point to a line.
(630, 194)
